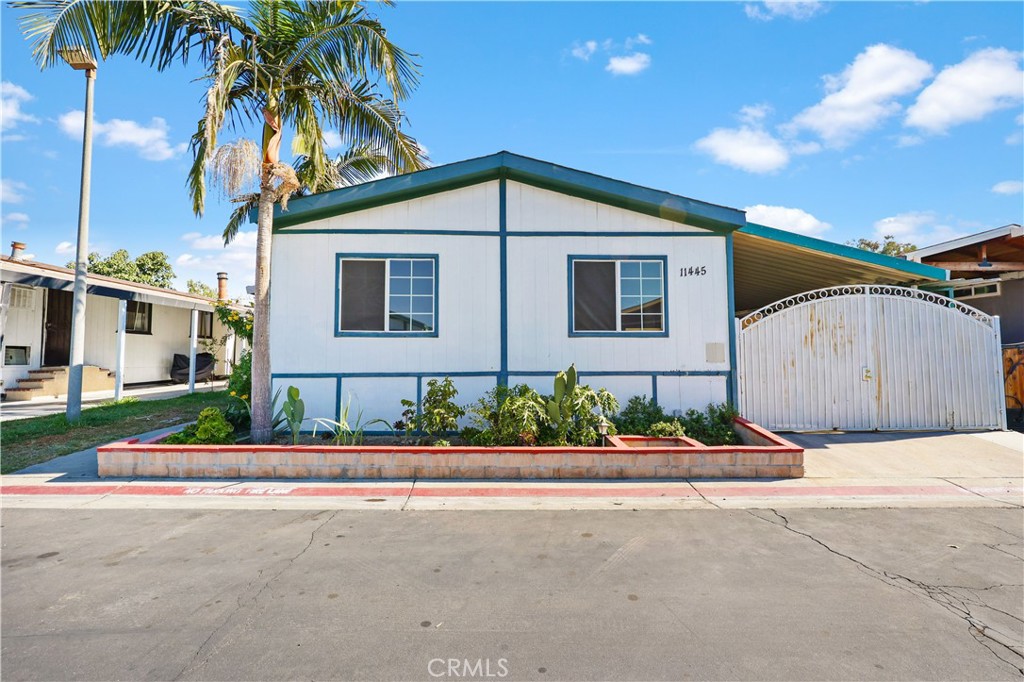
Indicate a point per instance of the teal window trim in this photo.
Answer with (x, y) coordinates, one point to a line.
(573, 258)
(387, 257)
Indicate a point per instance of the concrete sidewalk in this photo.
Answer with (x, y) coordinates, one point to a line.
(843, 470)
(24, 409)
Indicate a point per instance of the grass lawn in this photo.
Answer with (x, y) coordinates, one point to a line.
(30, 441)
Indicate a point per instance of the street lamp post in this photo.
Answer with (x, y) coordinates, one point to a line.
(80, 60)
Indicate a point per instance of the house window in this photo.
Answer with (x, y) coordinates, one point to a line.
(16, 355)
(140, 318)
(981, 290)
(620, 296)
(205, 325)
(395, 295)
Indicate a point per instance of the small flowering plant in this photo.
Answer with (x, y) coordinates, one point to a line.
(239, 322)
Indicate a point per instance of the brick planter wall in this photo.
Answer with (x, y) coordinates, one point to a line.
(763, 455)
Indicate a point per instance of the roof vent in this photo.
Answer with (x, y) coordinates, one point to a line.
(17, 249)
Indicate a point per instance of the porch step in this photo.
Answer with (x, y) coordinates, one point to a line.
(52, 382)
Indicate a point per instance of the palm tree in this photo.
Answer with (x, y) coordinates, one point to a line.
(278, 64)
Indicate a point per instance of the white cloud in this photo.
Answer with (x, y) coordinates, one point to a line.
(16, 218)
(584, 50)
(747, 148)
(863, 95)
(629, 65)
(638, 39)
(785, 218)
(64, 249)
(150, 141)
(12, 191)
(1008, 187)
(332, 139)
(12, 97)
(917, 227)
(801, 10)
(986, 81)
(207, 255)
(1016, 137)
(623, 58)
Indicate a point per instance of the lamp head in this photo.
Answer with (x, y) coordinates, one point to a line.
(78, 58)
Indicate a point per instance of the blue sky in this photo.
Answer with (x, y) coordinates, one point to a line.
(839, 120)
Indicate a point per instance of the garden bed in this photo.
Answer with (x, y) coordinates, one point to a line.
(761, 454)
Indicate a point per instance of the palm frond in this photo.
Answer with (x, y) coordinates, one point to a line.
(240, 215)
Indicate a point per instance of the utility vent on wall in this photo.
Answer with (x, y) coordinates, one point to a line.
(714, 352)
(22, 297)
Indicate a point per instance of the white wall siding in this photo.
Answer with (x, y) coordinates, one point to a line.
(468, 208)
(691, 392)
(539, 210)
(25, 328)
(147, 357)
(377, 397)
(698, 307)
(319, 395)
(468, 323)
(470, 334)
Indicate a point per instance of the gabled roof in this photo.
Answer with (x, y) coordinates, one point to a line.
(36, 274)
(1011, 230)
(513, 167)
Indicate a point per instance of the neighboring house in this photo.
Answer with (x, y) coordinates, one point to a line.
(37, 301)
(505, 269)
(986, 272)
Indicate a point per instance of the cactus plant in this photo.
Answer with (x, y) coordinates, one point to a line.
(560, 407)
(294, 412)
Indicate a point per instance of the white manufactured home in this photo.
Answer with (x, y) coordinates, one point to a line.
(505, 269)
(36, 309)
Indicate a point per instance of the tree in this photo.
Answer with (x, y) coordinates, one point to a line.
(888, 246)
(278, 64)
(150, 268)
(200, 289)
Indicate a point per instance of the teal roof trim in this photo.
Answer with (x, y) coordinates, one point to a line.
(513, 167)
(918, 270)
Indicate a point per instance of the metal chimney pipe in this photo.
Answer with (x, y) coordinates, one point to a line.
(222, 286)
(17, 248)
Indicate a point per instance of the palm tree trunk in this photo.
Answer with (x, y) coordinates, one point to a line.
(262, 417)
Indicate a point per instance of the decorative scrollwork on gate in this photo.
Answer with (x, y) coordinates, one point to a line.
(865, 290)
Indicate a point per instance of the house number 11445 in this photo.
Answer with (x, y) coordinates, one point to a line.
(693, 271)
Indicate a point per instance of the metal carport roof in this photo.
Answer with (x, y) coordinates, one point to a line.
(771, 264)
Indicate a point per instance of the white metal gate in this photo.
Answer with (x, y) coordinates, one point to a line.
(862, 358)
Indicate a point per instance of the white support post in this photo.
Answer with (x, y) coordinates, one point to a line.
(1000, 379)
(122, 324)
(192, 352)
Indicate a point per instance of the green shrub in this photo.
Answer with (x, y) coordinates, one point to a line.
(638, 416)
(506, 416)
(211, 428)
(576, 413)
(240, 388)
(666, 429)
(438, 412)
(713, 426)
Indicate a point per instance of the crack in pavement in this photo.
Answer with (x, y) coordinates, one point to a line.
(702, 495)
(242, 603)
(955, 604)
(984, 497)
(407, 497)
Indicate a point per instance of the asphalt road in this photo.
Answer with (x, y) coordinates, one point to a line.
(378, 595)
